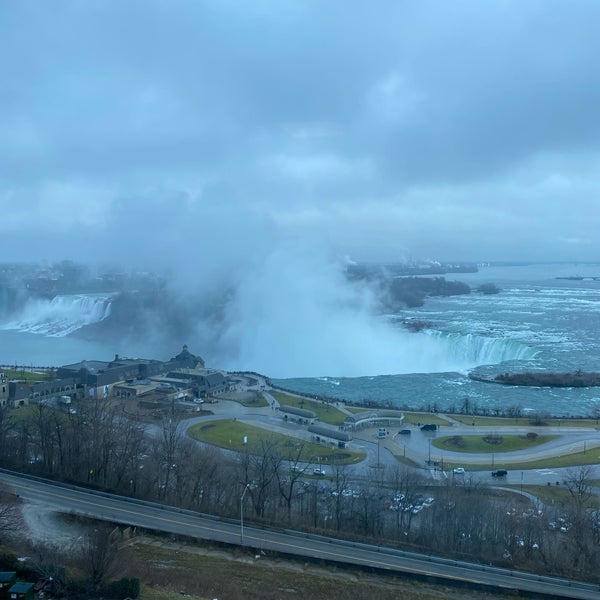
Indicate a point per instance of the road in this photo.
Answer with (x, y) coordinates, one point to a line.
(416, 446)
(177, 521)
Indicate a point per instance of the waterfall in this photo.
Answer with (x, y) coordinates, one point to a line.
(477, 350)
(62, 315)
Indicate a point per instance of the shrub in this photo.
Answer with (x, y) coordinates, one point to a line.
(121, 589)
(456, 441)
(493, 439)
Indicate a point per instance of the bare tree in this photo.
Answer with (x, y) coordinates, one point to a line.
(10, 515)
(100, 554)
(259, 473)
(287, 481)
(579, 484)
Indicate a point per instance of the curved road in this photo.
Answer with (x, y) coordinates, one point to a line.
(168, 519)
(416, 446)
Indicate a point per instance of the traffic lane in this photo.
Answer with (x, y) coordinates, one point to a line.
(129, 512)
(195, 525)
(288, 543)
(569, 442)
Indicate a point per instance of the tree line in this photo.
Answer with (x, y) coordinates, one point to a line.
(103, 447)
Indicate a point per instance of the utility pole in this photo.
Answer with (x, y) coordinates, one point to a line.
(242, 514)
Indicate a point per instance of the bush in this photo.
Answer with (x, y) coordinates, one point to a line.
(457, 441)
(121, 589)
(493, 439)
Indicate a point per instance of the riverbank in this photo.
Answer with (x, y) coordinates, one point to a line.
(542, 379)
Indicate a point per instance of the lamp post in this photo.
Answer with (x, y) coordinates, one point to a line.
(429, 460)
(242, 514)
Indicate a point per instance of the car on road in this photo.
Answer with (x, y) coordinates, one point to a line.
(319, 471)
(404, 432)
(499, 473)
(458, 471)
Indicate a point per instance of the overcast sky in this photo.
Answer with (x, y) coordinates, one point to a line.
(381, 130)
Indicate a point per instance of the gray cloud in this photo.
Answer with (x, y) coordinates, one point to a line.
(245, 148)
(389, 130)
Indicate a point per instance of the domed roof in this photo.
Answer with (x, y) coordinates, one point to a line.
(185, 356)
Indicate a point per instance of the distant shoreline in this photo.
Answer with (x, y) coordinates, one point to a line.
(543, 379)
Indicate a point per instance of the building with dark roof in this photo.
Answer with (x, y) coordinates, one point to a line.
(3, 390)
(329, 434)
(368, 418)
(204, 382)
(21, 591)
(187, 360)
(297, 414)
(7, 579)
(97, 378)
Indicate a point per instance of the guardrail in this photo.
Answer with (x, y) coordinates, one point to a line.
(431, 559)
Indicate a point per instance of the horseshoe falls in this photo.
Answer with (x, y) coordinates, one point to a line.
(546, 317)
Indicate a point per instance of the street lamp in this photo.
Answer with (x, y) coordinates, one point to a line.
(242, 514)
(429, 461)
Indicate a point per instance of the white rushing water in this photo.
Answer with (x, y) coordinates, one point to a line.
(60, 316)
(542, 320)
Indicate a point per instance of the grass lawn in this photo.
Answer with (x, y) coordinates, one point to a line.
(325, 412)
(356, 409)
(257, 402)
(478, 443)
(591, 457)
(250, 399)
(175, 572)
(523, 422)
(27, 375)
(556, 495)
(416, 418)
(230, 434)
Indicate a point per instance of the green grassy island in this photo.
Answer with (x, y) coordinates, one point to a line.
(544, 379)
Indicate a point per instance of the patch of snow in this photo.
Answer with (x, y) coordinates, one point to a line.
(46, 525)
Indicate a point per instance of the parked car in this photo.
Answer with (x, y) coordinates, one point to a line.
(429, 427)
(319, 471)
(499, 473)
(458, 471)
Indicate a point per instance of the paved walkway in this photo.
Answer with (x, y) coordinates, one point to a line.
(418, 446)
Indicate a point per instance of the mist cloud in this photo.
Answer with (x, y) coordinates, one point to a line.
(237, 146)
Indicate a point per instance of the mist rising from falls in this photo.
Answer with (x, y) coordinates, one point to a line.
(60, 316)
(299, 318)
